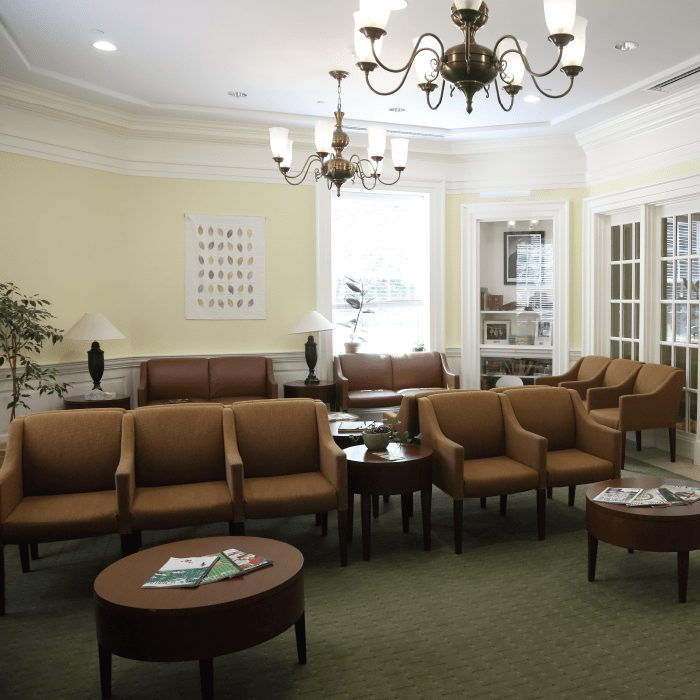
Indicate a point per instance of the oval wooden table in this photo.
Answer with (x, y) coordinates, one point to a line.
(188, 624)
(372, 476)
(666, 529)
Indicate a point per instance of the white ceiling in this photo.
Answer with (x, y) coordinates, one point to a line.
(181, 57)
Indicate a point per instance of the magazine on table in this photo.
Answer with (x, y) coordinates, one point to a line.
(223, 568)
(181, 573)
(648, 497)
(617, 495)
(391, 456)
(246, 562)
(687, 494)
(341, 416)
(354, 426)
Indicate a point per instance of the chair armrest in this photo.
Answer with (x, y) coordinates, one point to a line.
(657, 409)
(272, 388)
(547, 381)
(609, 396)
(522, 445)
(11, 486)
(125, 476)
(233, 466)
(142, 398)
(334, 463)
(596, 439)
(568, 376)
(583, 386)
(449, 380)
(448, 456)
(342, 383)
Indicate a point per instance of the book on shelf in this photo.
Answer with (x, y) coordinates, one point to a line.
(187, 572)
(223, 568)
(617, 495)
(245, 561)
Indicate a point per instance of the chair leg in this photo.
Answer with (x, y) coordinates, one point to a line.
(550, 492)
(572, 494)
(126, 545)
(541, 507)
(482, 502)
(386, 498)
(375, 506)
(672, 443)
(239, 529)
(34, 551)
(504, 502)
(458, 512)
(343, 536)
(136, 541)
(639, 440)
(24, 557)
(324, 523)
(318, 519)
(2, 580)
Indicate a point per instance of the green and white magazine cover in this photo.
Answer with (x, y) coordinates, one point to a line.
(246, 562)
(181, 573)
(223, 568)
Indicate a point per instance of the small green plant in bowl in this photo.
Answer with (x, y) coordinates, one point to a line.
(378, 436)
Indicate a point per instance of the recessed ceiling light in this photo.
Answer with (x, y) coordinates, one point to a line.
(626, 45)
(104, 46)
(532, 98)
(237, 93)
(397, 4)
(534, 221)
(396, 109)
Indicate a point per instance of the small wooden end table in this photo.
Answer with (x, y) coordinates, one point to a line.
(648, 529)
(372, 476)
(121, 401)
(323, 391)
(188, 624)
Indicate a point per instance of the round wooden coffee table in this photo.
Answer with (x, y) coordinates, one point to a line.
(669, 529)
(372, 476)
(119, 401)
(188, 624)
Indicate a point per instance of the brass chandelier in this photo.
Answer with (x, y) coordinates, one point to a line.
(470, 66)
(336, 169)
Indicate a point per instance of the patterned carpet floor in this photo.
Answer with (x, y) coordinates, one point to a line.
(510, 618)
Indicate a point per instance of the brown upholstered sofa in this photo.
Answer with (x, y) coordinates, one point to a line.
(222, 380)
(381, 381)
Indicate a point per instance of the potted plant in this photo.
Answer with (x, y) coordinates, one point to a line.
(357, 300)
(379, 435)
(23, 330)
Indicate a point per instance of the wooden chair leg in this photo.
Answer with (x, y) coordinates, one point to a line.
(504, 503)
(541, 508)
(386, 498)
(34, 551)
(375, 506)
(324, 523)
(318, 519)
(239, 529)
(550, 492)
(343, 536)
(639, 440)
(482, 502)
(458, 512)
(126, 545)
(2, 580)
(24, 557)
(672, 443)
(136, 541)
(572, 494)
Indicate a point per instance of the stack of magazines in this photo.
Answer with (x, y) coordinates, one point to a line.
(193, 571)
(663, 496)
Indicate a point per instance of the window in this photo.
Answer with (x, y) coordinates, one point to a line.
(384, 239)
(625, 271)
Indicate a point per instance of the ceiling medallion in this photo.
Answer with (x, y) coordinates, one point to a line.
(468, 65)
(336, 169)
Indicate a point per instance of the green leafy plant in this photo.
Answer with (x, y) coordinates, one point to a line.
(357, 300)
(23, 331)
(388, 427)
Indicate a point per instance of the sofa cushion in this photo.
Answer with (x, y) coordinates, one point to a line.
(367, 371)
(178, 378)
(417, 369)
(166, 402)
(241, 375)
(290, 494)
(228, 400)
(378, 398)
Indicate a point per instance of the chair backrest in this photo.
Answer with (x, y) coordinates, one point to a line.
(619, 370)
(501, 389)
(408, 411)
(178, 378)
(240, 375)
(652, 376)
(367, 371)
(179, 444)
(550, 414)
(71, 451)
(592, 365)
(276, 438)
(473, 419)
(417, 370)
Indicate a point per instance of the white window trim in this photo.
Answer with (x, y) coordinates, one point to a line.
(324, 282)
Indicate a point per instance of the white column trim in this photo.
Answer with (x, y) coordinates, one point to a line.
(324, 282)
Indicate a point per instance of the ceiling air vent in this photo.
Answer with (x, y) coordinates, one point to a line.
(396, 132)
(678, 82)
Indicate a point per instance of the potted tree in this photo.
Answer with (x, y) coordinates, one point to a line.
(23, 331)
(357, 300)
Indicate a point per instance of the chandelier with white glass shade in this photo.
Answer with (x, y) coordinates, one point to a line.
(469, 66)
(332, 166)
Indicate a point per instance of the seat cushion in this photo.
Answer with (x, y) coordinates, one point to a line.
(62, 517)
(570, 467)
(417, 369)
(496, 476)
(367, 371)
(606, 416)
(179, 505)
(291, 494)
(178, 378)
(228, 400)
(378, 398)
(240, 375)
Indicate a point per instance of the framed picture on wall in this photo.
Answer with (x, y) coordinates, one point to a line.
(543, 333)
(496, 332)
(522, 257)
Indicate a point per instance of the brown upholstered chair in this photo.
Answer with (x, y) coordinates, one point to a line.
(285, 462)
(480, 450)
(176, 472)
(652, 402)
(618, 375)
(502, 389)
(589, 369)
(57, 480)
(579, 450)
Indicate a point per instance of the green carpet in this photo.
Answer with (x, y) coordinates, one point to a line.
(512, 617)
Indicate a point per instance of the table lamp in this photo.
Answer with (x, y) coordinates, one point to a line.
(311, 322)
(94, 327)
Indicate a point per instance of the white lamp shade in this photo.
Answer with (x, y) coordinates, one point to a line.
(574, 51)
(378, 163)
(377, 141)
(399, 152)
(310, 322)
(467, 4)
(287, 162)
(363, 46)
(424, 60)
(509, 380)
(374, 13)
(324, 135)
(93, 327)
(278, 141)
(560, 15)
(514, 63)
(397, 4)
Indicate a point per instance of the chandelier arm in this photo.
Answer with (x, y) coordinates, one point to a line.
(374, 183)
(442, 94)
(526, 63)
(384, 94)
(554, 97)
(498, 95)
(416, 51)
(390, 183)
(303, 172)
